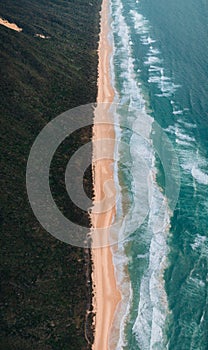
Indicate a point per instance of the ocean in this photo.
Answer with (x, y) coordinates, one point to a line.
(159, 72)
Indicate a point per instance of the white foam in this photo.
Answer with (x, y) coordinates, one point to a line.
(182, 139)
(147, 40)
(199, 175)
(179, 133)
(183, 143)
(130, 90)
(154, 51)
(141, 25)
(187, 125)
(194, 163)
(154, 69)
(153, 307)
(131, 95)
(154, 80)
(170, 129)
(166, 86)
(142, 256)
(164, 83)
(152, 60)
(177, 112)
(123, 311)
(197, 282)
(199, 241)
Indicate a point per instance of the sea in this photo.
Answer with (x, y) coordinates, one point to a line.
(159, 70)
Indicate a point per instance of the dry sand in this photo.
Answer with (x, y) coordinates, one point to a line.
(13, 26)
(106, 294)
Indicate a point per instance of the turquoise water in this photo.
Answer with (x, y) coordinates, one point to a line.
(160, 73)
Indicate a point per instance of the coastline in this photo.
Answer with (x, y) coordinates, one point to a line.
(106, 295)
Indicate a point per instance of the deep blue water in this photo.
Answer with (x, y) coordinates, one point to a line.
(160, 74)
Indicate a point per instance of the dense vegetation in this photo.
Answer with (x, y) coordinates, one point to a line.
(44, 294)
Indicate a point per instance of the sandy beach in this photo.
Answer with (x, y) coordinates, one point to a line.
(9, 25)
(106, 294)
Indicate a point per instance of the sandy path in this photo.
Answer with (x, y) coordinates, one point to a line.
(106, 294)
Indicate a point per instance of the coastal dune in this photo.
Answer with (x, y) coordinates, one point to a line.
(106, 295)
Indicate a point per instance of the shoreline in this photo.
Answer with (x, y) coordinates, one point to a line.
(106, 295)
